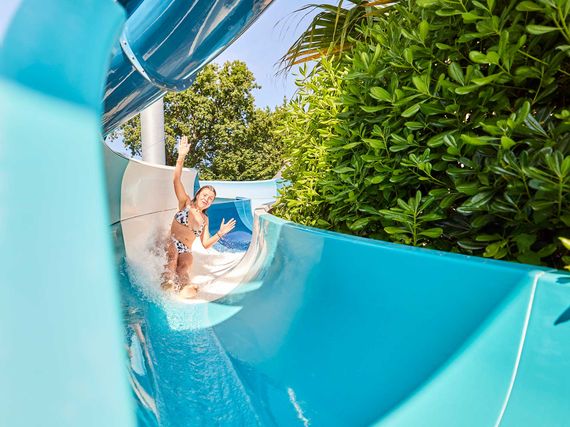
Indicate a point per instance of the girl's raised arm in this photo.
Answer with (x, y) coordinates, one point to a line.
(179, 190)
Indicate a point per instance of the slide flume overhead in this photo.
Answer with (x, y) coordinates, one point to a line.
(325, 329)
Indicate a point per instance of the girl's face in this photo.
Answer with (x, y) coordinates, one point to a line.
(205, 199)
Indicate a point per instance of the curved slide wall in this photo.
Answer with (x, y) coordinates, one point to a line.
(61, 346)
(324, 329)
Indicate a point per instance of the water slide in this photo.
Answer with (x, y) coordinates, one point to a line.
(304, 328)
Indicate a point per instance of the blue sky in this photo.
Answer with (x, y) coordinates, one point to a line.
(261, 46)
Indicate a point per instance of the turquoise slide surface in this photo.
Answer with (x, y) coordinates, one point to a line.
(333, 330)
(322, 329)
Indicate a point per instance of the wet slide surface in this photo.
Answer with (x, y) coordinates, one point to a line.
(317, 328)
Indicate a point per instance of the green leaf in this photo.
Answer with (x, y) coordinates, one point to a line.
(359, 224)
(470, 245)
(507, 142)
(434, 233)
(427, 3)
(414, 125)
(424, 29)
(464, 90)
(565, 242)
(476, 203)
(380, 94)
(448, 12)
(350, 145)
(343, 169)
(493, 57)
(488, 237)
(372, 109)
(492, 250)
(476, 140)
(442, 46)
(540, 29)
(456, 73)
(533, 125)
(486, 80)
(411, 111)
(527, 72)
(478, 57)
(547, 250)
(420, 84)
(481, 221)
(375, 143)
(431, 108)
(470, 189)
(377, 179)
(522, 112)
(408, 55)
(529, 6)
(395, 230)
(470, 17)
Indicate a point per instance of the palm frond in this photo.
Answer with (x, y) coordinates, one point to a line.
(330, 31)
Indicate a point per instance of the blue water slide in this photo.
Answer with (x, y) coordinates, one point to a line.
(306, 328)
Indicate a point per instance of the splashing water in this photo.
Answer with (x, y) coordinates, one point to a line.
(179, 372)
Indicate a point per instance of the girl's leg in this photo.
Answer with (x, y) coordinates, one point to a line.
(183, 270)
(169, 274)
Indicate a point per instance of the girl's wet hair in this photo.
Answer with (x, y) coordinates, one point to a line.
(205, 187)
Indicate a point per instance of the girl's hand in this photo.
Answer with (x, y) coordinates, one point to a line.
(226, 227)
(183, 147)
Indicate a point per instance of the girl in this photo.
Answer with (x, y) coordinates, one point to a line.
(189, 223)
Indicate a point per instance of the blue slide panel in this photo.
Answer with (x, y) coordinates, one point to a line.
(344, 330)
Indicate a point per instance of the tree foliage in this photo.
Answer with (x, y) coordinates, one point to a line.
(446, 125)
(231, 139)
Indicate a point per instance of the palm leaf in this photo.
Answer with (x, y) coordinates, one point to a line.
(331, 30)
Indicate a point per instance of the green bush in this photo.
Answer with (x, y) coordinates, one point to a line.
(446, 127)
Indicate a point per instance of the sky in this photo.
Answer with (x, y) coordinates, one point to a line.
(267, 40)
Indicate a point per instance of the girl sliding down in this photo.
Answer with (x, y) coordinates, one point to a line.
(189, 223)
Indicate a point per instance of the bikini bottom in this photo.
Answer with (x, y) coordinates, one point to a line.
(180, 247)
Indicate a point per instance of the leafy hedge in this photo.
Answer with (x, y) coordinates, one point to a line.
(446, 127)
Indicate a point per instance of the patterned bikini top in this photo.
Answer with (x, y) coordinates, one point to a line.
(182, 218)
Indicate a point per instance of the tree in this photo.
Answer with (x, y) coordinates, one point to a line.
(232, 140)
